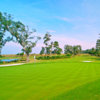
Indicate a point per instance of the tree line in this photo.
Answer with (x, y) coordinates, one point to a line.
(50, 47)
(53, 47)
(94, 51)
(23, 35)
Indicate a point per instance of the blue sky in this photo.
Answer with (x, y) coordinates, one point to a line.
(68, 21)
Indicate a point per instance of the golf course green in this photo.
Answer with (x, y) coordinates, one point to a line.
(62, 79)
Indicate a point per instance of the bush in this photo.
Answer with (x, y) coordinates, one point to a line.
(53, 57)
(40, 58)
(68, 55)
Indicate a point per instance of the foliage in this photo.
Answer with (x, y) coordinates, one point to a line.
(5, 21)
(50, 48)
(53, 57)
(46, 42)
(98, 44)
(42, 51)
(20, 54)
(24, 37)
(46, 38)
(74, 50)
(20, 33)
(91, 51)
(98, 47)
(68, 49)
(57, 49)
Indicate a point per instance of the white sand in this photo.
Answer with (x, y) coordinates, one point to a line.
(11, 65)
(87, 61)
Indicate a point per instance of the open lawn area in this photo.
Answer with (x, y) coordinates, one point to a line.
(63, 79)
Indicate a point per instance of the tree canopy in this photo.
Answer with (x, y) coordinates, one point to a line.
(19, 33)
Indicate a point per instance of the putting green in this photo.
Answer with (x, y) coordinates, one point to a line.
(65, 79)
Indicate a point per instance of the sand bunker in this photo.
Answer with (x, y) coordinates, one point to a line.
(87, 61)
(11, 65)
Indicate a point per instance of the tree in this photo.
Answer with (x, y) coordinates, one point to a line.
(42, 51)
(51, 47)
(91, 51)
(98, 44)
(57, 49)
(5, 21)
(24, 37)
(76, 49)
(98, 47)
(56, 44)
(97, 52)
(68, 49)
(46, 42)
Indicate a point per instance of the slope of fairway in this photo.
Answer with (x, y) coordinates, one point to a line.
(50, 80)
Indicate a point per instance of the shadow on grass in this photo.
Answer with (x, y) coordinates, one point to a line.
(88, 91)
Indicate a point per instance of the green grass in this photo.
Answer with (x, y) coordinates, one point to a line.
(63, 79)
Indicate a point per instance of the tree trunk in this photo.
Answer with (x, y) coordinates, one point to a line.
(27, 57)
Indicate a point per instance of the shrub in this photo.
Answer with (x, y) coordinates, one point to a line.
(53, 57)
(68, 55)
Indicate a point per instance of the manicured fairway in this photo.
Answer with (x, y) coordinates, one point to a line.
(65, 79)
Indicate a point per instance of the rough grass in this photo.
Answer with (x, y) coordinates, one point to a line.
(64, 79)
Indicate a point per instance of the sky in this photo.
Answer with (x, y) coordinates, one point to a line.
(73, 22)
